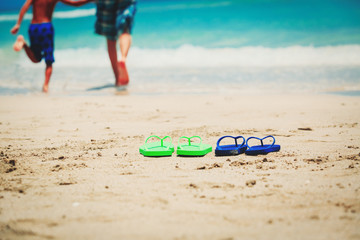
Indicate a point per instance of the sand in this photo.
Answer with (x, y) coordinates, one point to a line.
(70, 168)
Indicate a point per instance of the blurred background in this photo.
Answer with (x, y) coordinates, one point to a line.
(200, 47)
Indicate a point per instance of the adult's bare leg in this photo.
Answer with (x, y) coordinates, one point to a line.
(111, 45)
(125, 43)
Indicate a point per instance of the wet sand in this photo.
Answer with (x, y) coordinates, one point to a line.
(70, 168)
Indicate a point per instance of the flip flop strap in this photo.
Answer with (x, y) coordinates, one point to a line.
(261, 140)
(189, 140)
(235, 138)
(161, 141)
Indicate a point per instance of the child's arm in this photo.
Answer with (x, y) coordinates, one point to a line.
(76, 3)
(23, 10)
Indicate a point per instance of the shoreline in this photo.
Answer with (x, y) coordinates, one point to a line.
(109, 90)
(164, 81)
(71, 168)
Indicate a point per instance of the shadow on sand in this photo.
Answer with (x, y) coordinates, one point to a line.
(121, 90)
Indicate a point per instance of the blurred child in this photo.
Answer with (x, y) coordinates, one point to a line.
(41, 33)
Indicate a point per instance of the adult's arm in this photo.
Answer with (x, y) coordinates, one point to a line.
(76, 3)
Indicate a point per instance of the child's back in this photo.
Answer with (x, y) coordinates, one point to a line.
(43, 10)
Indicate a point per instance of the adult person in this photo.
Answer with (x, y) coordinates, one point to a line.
(114, 20)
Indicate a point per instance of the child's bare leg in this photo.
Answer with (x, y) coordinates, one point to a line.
(20, 44)
(111, 45)
(48, 72)
(30, 54)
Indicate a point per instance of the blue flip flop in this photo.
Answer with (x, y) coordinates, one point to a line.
(230, 150)
(263, 148)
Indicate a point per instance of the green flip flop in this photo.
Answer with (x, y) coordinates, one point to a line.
(193, 149)
(157, 149)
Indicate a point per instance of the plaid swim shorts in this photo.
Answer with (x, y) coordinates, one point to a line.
(114, 17)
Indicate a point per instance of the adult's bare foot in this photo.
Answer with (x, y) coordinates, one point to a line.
(19, 43)
(123, 78)
(45, 88)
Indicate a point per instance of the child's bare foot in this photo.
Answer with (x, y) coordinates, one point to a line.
(19, 43)
(123, 78)
(45, 88)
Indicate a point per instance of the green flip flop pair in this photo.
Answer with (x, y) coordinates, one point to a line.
(166, 148)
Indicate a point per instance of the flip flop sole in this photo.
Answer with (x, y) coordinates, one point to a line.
(193, 150)
(262, 150)
(230, 150)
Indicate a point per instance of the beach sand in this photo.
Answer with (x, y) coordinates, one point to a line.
(70, 168)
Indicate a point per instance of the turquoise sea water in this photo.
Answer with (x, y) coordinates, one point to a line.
(198, 46)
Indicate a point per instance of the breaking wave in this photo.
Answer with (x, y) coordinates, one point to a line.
(188, 56)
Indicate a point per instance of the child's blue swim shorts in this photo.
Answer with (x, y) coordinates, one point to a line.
(42, 41)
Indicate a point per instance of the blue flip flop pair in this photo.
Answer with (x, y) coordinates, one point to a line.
(236, 149)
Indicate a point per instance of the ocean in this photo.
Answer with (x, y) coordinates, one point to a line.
(198, 47)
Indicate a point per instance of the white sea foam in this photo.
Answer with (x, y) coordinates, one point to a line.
(13, 17)
(244, 70)
(75, 13)
(197, 57)
(189, 56)
(57, 15)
